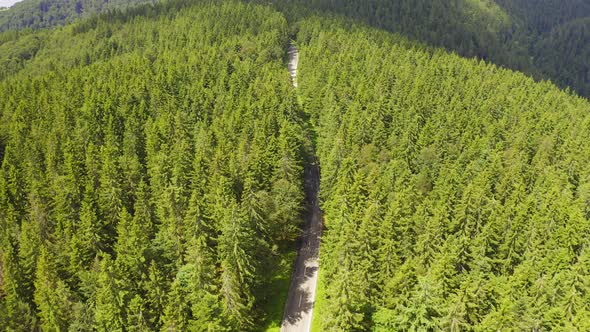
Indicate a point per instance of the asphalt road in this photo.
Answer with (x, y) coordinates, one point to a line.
(301, 298)
(293, 62)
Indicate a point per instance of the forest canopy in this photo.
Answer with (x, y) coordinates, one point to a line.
(456, 194)
(151, 172)
(152, 169)
(546, 39)
(37, 14)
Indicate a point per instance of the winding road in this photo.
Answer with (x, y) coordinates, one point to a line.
(300, 301)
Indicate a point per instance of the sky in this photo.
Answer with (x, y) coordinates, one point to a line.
(8, 3)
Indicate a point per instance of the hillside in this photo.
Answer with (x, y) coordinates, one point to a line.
(36, 14)
(151, 174)
(544, 15)
(517, 34)
(153, 164)
(569, 42)
(456, 194)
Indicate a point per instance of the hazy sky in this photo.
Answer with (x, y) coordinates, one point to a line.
(8, 3)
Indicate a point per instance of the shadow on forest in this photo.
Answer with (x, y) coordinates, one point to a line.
(455, 27)
(462, 26)
(491, 33)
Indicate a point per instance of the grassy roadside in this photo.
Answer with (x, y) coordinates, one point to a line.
(317, 308)
(278, 290)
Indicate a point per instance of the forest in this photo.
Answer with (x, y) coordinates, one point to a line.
(37, 14)
(152, 167)
(456, 194)
(548, 39)
(524, 35)
(151, 173)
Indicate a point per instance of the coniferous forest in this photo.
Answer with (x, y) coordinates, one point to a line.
(456, 194)
(548, 39)
(36, 14)
(153, 160)
(151, 171)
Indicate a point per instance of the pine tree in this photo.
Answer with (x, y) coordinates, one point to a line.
(109, 313)
(29, 249)
(136, 320)
(110, 195)
(87, 239)
(205, 299)
(178, 309)
(238, 265)
(155, 289)
(18, 315)
(52, 295)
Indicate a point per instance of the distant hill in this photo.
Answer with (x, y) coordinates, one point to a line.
(523, 35)
(519, 34)
(541, 16)
(37, 14)
(557, 34)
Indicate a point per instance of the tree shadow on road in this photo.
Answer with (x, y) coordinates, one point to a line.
(303, 303)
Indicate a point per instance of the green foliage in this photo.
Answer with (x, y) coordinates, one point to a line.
(37, 14)
(152, 166)
(546, 39)
(162, 173)
(452, 189)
